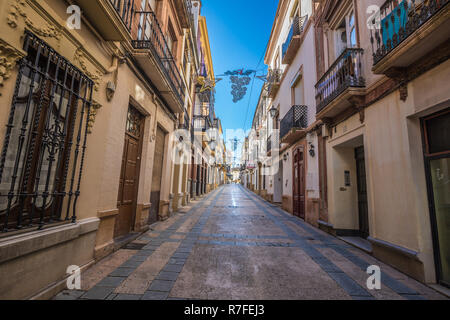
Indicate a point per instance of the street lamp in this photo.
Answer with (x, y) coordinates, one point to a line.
(273, 112)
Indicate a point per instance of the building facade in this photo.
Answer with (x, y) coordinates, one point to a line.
(374, 147)
(94, 92)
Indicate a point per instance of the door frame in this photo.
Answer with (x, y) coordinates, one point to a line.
(138, 162)
(358, 193)
(301, 146)
(427, 158)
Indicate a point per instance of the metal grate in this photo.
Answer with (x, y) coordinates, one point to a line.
(45, 141)
(345, 72)
(398, 20)
(296, 117)
(296, 29)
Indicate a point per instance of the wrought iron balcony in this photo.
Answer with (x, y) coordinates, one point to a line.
(273, 81)
(201, 123)
(112, 19)
(184, 11)
(125, 9)
(293, 41)
(344, 73)
(150, 36)
(400, 19)
(294, 123)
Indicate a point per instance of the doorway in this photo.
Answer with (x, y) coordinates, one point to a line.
(299, 183)
(363, 212)
(436, 136)
(158, 161)
(129, 173)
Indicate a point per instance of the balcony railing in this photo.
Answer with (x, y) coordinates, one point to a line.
(150, 36)
(295, 118)
(399, 19)
(201, 123)
(345, 72)
(296, 29)
(273, 82)
(125, 9)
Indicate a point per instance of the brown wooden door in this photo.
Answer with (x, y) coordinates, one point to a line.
(362, 192)
(158, 161)
(129, 174)
(299, 183)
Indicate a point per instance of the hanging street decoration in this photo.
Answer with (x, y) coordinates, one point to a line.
(207, 83)
(240, 79)
(239, 87)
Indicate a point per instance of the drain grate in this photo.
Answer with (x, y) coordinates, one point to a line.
(134, 246)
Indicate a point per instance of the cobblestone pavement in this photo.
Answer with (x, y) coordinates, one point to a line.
(231, 244)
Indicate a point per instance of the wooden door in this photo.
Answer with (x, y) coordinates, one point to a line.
(129, 174)
(299, 183)
(158, 161)
(362, 192)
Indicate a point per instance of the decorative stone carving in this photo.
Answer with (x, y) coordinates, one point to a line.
(8, 59)
(95, 76)
(17, 10)
(92, 114)
(358, 104)
(400, 76)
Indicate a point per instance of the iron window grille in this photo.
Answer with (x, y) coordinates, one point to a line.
(41, 163)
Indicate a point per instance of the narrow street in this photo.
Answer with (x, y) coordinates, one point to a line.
(231, 244)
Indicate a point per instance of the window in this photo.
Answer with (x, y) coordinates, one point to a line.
(45, 140)
(277, 60)
(345, 34)
(145, 22)
(171, 40)
(295, 12)
(297, 92)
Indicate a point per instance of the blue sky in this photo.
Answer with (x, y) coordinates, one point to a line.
(239, 31)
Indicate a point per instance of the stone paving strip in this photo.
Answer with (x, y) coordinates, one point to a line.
(161, 286)
(354, 289)
(232, 244)
(104, 289)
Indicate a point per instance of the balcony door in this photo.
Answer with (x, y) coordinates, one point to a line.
(299, 183)
(345, 34)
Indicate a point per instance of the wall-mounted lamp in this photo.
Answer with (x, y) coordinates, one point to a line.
(312, 152)
(285, 156)
(273, 112)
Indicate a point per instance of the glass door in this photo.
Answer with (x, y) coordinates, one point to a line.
(436, 130)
